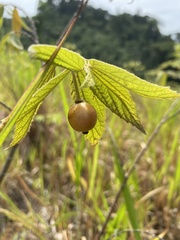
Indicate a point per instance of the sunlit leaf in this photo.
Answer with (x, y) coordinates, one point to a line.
(42, 77)
(22, 127)
(16, 22)
(100, 84)
(65, 57)
(116, 98)
(43, 92)
(24, 121)
(113, 87)
(96, 133)
(131, 82)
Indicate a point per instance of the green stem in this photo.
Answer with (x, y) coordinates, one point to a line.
(78, 98)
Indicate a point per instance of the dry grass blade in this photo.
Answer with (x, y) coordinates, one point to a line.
(165, 119)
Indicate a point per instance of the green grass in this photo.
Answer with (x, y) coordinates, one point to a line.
(60, 185)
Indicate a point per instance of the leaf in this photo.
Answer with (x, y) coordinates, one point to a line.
(95, 134)
(65, 57)
(126, 191)
(16, 22)
(1, 14)
(162, 78)
(25, 26)
(113, 86)
(43, 92)
(12, 118)
(22, 127)
(116, 98)
(23, 123)
(131, 82)
(44, 75)
(15, 41)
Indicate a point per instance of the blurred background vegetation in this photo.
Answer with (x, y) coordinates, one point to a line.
(60, 187)
(118, 39)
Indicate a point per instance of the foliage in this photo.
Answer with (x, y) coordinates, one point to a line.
(98, 34)
(17, 30)
(107, 85)
(169, 71)
(140, 39)
(171, 68)
(76, 180)
(64, 187)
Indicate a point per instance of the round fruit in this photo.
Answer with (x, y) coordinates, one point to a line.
(82, 117)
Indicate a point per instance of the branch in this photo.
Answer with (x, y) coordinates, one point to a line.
(71, 23)
(7, 163)
(66, 32)
(5, 106)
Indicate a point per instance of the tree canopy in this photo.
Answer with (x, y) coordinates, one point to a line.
(116, 39)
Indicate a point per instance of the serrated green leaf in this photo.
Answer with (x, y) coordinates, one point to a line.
(22, 127)
(95, 134)
(42, 77)
(65, 57)
(43, 92)
(131, 82)
(24, 121)
(116, 98)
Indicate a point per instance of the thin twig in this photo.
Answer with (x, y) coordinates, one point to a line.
(165, 119)
(72, 21)
(7, 163)
(5, 106)
(66, 32)
(11, 153)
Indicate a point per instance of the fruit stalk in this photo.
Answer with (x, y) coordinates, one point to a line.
(78, 98)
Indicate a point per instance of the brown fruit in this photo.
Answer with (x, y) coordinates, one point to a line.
(82, 117)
